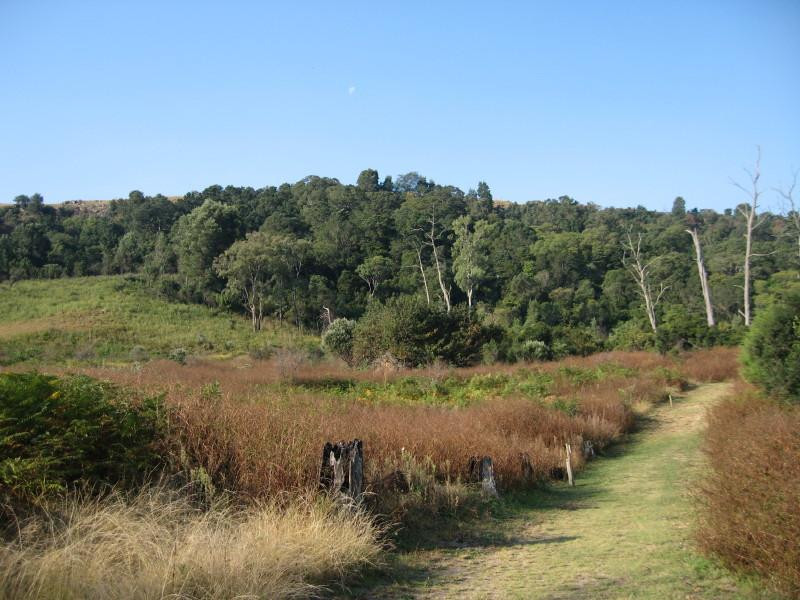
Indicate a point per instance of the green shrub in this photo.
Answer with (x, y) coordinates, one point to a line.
(338, 339)
(771, 353)
(416, 333)
(54, 432)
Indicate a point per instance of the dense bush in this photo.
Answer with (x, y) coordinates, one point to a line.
(771, 355)
(416, 333)
(338, 339)
(751, 504)
(57, 431)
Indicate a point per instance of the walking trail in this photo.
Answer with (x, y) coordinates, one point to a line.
(623, 531)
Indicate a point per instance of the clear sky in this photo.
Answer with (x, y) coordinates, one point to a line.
(618, 103)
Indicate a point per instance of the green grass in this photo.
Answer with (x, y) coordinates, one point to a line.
(624, 531)
(95, 320)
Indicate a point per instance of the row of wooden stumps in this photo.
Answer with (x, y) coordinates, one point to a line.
(342, 469)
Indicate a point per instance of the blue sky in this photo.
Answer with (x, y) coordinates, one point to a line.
(618, 103)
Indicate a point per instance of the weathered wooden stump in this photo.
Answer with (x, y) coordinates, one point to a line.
(481, 470)
(527, 467)
(342, 469)
(588, 449)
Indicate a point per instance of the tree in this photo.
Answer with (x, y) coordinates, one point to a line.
(792, 210)
(374, 271)
(771, 352)
(200, 237)
(748, 211)
(368, 180)
(633, 260)
(679, 207)
(701, 268)
(469, 256)
(246, 266)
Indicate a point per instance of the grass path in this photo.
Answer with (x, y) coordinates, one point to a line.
(624, 530)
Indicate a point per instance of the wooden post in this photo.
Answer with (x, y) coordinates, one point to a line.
(670, 400)
(569, 465)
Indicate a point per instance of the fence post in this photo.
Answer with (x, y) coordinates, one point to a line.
(569, 465)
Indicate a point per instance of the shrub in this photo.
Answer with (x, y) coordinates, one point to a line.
(750, 503)
(338, 339)
(54, 432)
(416, 333)
(178, 355)
(771, 353)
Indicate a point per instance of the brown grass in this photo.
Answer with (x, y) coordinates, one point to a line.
(268, 443)
(711, 364)
(158, 546)
(751, 497)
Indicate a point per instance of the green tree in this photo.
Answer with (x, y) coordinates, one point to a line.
(771, 352)
(374, 271)
(246, 266)
(469, 256)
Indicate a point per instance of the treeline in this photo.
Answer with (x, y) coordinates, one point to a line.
(545, 278)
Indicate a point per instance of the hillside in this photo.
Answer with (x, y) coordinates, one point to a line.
(94, 320)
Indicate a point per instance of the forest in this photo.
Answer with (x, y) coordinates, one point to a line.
(425, 271)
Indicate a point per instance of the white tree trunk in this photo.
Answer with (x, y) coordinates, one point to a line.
(641, 274)
(424, 279)
(701, 271)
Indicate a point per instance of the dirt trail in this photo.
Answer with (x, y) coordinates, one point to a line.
(624, 530)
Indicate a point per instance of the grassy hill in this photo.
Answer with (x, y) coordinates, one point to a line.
(101, 320)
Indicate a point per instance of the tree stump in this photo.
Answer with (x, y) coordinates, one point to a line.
(481, 470)
(342, 469)
(527, 467)
(588, 449)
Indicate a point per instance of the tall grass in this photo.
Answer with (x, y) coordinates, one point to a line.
(157, 545)
(751, 495)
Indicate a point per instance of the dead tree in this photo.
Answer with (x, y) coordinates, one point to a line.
(749, 212)
(430, 235)
(633, 261)
(342, 469)
(701, 271)
(422, 272)
(792, 210)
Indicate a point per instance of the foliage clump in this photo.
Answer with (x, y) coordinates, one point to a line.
(57, 431)
(338, 339)
(771, 353)
(417, 333)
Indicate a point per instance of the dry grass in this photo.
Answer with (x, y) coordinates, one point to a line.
(256, 438)
(158, 546)
(269, 443)
(711, 364)
(751, 497)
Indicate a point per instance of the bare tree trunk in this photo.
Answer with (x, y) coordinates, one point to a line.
(748, 211)
(641, 274)
(793, 211)
(424, 279)
(445, 291)
(701, 271)
(469, 300)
